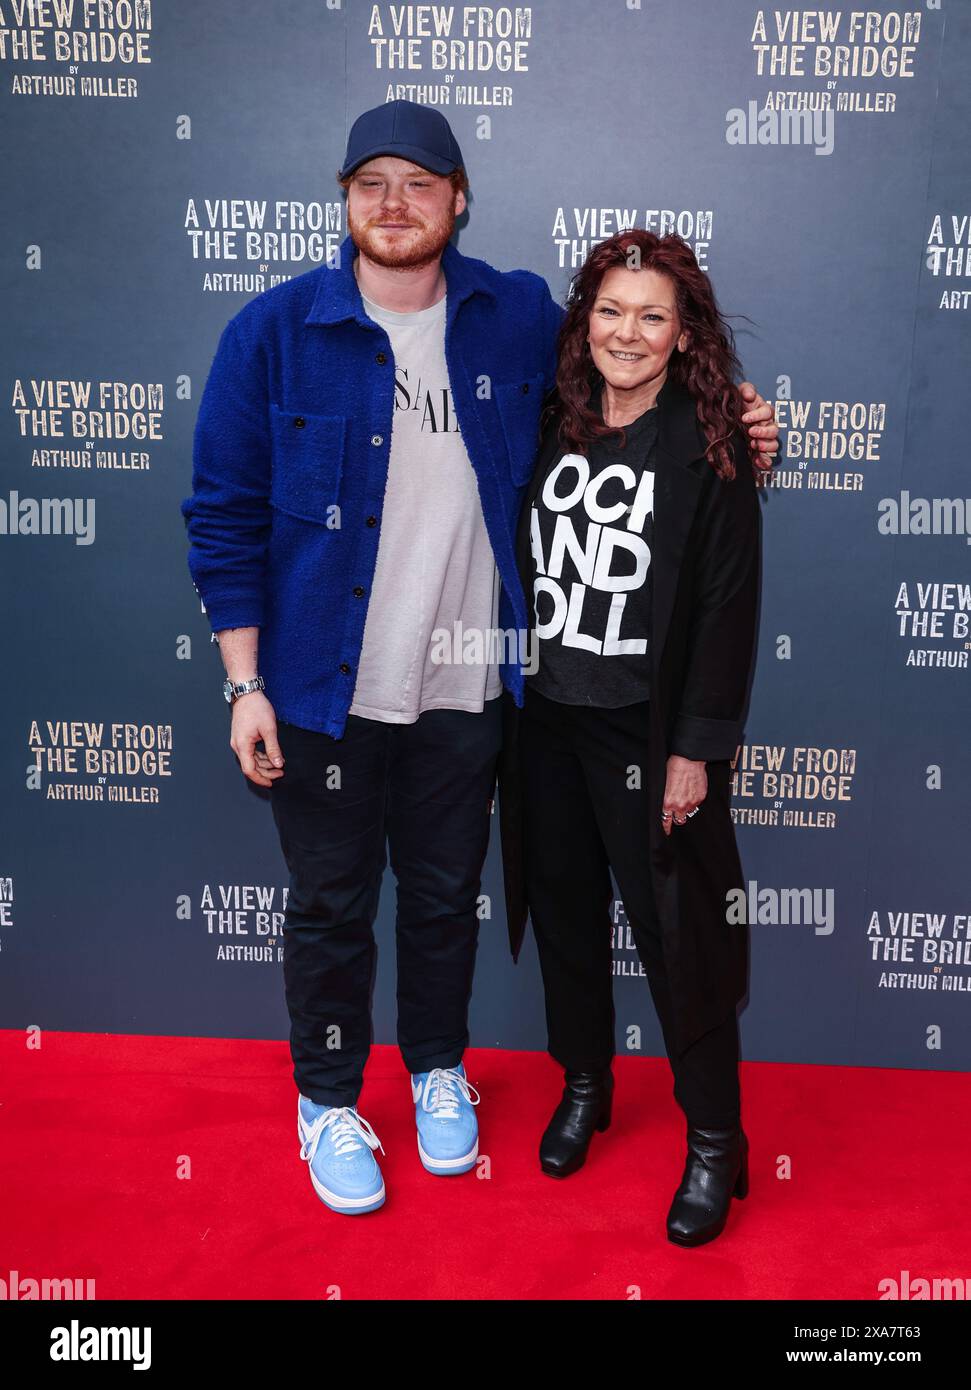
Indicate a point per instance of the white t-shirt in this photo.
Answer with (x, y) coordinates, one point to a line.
(435, 567)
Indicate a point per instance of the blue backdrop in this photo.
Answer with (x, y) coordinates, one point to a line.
(166, 163)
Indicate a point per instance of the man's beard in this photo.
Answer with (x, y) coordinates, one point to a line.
(421, 250)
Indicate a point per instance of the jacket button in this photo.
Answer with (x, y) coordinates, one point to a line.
(377, 439)
(372, 521)
(299, 422)
(525, 388)
(358, 592)
(345, 669)
(380, 359)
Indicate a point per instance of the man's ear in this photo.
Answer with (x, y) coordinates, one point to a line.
(460, 203)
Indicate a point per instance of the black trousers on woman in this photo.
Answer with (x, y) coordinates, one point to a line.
(585, 814)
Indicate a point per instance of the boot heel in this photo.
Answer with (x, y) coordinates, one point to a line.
(583, 1110)
(701, 1204)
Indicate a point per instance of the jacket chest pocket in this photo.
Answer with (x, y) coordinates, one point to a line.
(308, 460)
(519, 404)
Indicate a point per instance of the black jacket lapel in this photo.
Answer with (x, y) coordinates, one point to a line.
(681, 473)
(549, 446)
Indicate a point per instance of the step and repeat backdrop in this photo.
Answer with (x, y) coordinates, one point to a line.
(164, 163)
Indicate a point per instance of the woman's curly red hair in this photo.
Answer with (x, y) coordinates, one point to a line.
(707, 368)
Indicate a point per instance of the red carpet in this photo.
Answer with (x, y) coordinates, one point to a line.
(93, 1128)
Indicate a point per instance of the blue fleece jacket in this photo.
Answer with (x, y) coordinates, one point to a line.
(290, 462)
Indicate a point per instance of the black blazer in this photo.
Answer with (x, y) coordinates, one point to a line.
(706, 567)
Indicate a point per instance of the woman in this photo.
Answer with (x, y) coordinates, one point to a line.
(639, 551)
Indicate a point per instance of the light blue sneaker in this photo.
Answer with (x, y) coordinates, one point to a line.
(337, 1142)
(448, 1133)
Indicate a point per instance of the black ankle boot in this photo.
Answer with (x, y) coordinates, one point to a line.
(585, 1107)
(715, 1171)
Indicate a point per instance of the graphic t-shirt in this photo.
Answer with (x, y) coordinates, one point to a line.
(591, 533)
(435, 572)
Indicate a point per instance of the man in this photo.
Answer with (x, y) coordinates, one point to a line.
(362, 446)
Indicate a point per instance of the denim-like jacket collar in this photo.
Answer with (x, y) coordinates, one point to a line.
(338, 297)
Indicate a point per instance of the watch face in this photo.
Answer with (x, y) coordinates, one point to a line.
(228, 691)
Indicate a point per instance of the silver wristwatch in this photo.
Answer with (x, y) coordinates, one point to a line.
(233, 689)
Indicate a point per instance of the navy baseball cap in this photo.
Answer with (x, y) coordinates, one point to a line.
(406, 129)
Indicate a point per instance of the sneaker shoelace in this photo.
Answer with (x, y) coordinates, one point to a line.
(439, 1094)
(349, 1129)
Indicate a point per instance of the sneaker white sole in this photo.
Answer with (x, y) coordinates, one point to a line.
(447, 1166)
(347, 1206)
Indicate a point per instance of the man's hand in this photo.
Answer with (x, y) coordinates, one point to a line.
(685, 787)
(762, 428)
(253, 720)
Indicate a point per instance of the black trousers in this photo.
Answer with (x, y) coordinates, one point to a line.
(585, 814)
(424, 791)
